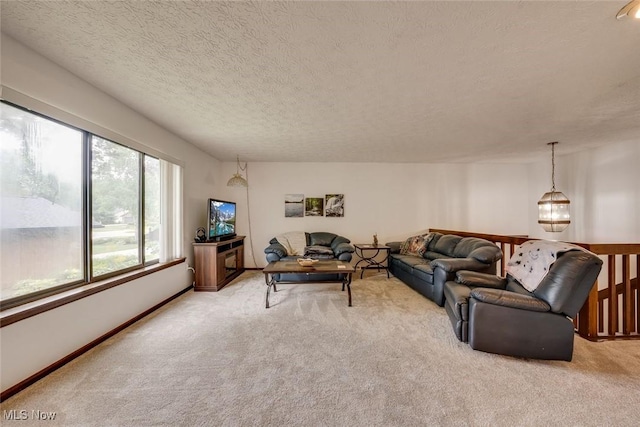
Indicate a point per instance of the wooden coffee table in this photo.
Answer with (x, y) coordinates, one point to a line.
(321, 267)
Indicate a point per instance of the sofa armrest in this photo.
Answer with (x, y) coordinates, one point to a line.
(509, 299)
(395, 247)
(342, 248)
(481, 280)
(451, 265)
(276, 248)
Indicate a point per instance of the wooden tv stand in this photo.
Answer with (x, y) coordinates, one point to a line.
(218, 263)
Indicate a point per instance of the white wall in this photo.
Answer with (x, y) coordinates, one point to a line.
(32, 344)
(398, 200)
(602, 185)
(393, 200)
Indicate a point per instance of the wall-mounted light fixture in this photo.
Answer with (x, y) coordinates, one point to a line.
(553, 207)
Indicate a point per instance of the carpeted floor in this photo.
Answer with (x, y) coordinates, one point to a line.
(222, 359)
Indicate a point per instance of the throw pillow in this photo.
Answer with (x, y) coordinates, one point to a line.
(416, 245)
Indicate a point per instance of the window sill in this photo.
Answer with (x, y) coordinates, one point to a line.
(24, 311)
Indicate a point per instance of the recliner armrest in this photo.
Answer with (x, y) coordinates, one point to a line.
(276, 248)
(481, 280)
(451, 265)
(395, 247)
(343, 248)
(509, 299)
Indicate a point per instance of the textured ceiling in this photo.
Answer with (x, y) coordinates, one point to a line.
(356, 81)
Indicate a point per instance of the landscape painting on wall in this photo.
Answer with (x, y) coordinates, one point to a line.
(334, 205)
(314, 206)
(294, 205)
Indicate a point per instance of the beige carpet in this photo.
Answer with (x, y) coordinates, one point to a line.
(222, 359)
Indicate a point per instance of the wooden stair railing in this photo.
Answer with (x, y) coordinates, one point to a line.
(611, 311)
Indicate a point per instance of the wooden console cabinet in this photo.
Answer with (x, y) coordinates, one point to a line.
(218, 263)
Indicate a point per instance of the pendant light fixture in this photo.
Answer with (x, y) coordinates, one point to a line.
(237, 180)
(553, 207)
(631, 9)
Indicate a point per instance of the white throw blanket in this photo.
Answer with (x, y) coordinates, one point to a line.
(293, 241)
(531, 262)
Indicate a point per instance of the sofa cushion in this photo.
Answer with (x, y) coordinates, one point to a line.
(321, 238)
(339, 239)
(410, 260)
(407, 262)
(423, 272)
(429, 255)
(435, 236)
(509, 299)
(467, 245)
(487, 254)
(318, 250)
(447, 244)
(342, 248)
(398, 265)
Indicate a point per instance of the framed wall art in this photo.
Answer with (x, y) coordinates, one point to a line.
(334, 205)
(294, 205)
(313, 206)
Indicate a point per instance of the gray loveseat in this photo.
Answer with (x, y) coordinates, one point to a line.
(443, 256)
(319, 245)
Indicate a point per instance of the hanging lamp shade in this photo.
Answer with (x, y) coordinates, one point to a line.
(553, 207)
(237, 180)
(631, 9)
(553, 211)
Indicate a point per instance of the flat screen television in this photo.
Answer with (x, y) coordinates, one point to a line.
(221, 223)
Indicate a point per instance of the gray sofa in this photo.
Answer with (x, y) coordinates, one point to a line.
(444, 255)
(320, 245)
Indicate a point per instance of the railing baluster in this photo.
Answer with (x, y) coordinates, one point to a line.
(627, 297)
(638, 293)
(613, 296)
(600, 316)
(588, 314)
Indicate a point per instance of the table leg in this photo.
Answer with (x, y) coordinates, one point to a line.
(347, 281)
(370, 260)
(270, 281)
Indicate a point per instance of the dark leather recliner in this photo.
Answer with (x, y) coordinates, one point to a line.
(498, 315)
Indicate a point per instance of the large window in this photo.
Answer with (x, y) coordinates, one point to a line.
(115, 207)
(41, 189)
(75, 207)
(151, 208)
